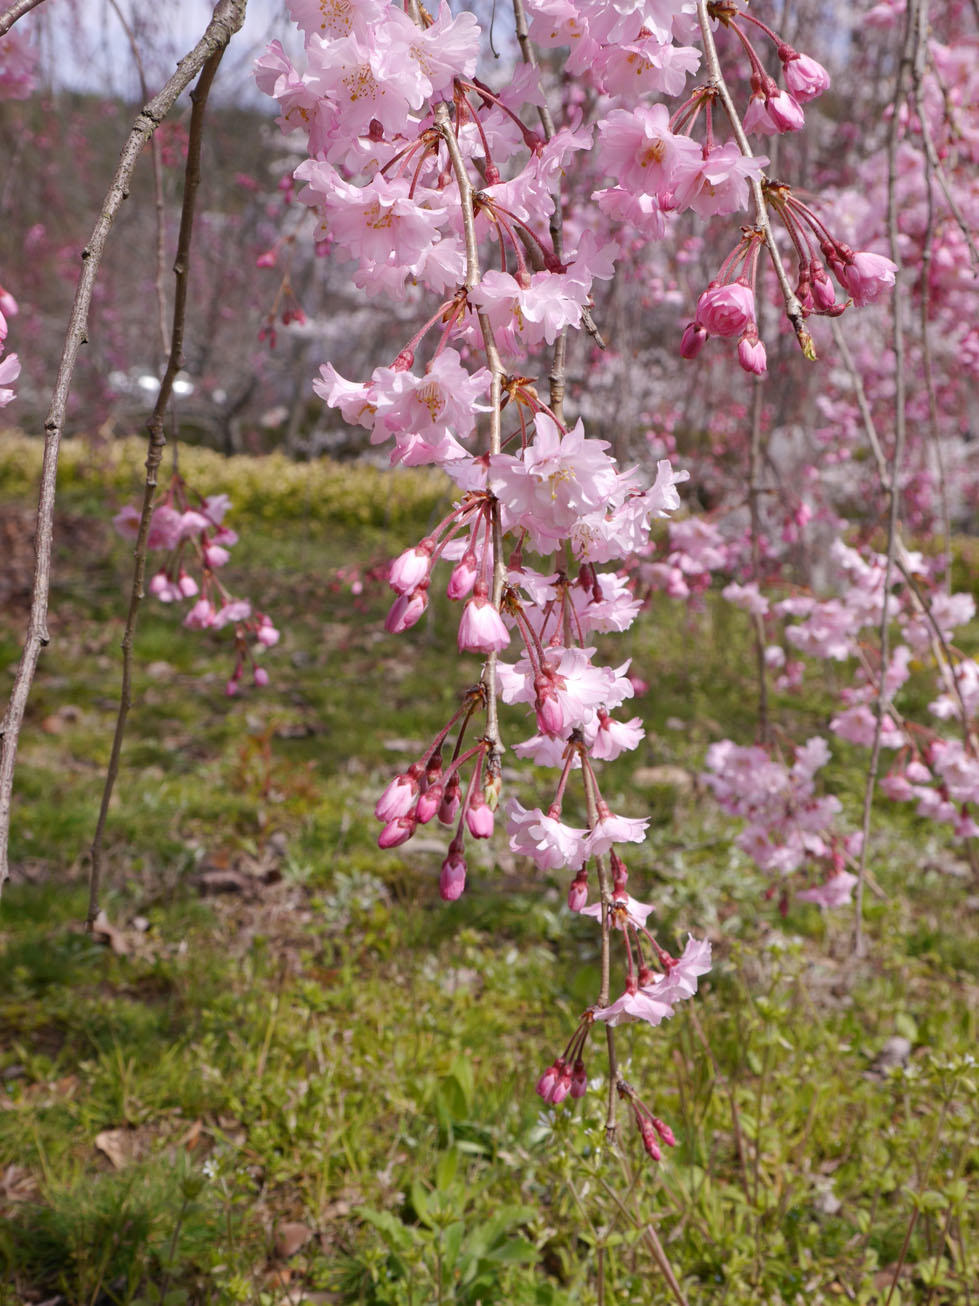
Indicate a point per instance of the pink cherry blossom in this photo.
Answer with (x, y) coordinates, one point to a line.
(549, 842)
(867, 276)
(834, 892)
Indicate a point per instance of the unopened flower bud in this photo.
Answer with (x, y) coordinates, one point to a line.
(649, 1139)
(411, 568)
(396, 832)
(563, 1086)
(452, 879)
(405, 611)
(550, 1077)
(261, 677)
(823, 294)
(664, 1131)
(160, 587)
(399, 797)
(267, 634)
(463, 576)
(578, 891)
(479, 817)
(186, 585)
(428, 804)
(449, 806)
(579, 1080)
(692, 340)
(550, 714)
(751, 354)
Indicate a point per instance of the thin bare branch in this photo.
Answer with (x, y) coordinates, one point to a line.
(911, 36)
(226, 19)
(157, 156)
(154, 456)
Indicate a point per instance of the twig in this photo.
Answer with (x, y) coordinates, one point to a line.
(154, 456)
(15, 11)
(754, 496)
(226, 19)
(157, 156)
(927, 250)
(897, 456)
(556, 378)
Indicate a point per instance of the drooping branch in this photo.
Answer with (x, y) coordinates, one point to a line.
(226, 19)
(15, 11)
(911, 36)
(154, 456)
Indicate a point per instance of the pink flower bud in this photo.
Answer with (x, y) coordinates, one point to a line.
(578, 891)
(449, 806)
(579, 1080)
(160, 587)
(664, 1131)
(692, 341)
(452, 879)
(231, 688)
(463, 576)
(186, 585)
(823, 294)
(406, 610)
(428, 804)
(563, 1086)
(398, 798)
(785, 112)
(267, 634)
(479, 817)
(547, 1081)
(649, 1139)
(261, 677)
(411, 568)
(266, 259)
(751, 354)
(550, 714)
(396, 832)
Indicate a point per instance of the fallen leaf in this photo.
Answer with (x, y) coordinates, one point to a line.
(290, 1237)
(119, 1145)
(103, 930)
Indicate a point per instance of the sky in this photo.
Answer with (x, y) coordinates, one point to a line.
(86, 48)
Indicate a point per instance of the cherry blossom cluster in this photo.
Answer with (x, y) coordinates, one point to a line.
(789, 829)
(190, 529)
(939, 773)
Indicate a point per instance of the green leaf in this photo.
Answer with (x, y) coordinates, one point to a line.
(446, 1169)
(397, 1236)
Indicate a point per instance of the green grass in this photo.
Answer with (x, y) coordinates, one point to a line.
(326, 1044)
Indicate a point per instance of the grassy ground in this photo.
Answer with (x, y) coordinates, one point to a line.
(287, 1072)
